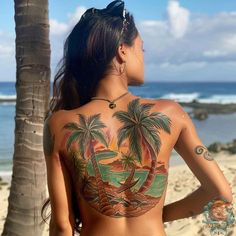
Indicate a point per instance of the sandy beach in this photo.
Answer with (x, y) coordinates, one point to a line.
(180, 183)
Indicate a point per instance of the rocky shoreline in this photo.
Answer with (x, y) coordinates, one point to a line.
(201, 111)
(217, 147)
(212, 108)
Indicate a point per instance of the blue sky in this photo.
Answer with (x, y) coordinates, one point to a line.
(184, 40)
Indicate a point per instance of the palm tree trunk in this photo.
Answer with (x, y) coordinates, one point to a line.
(28, 184)
(131, 176)
(147, 183)
(127, 184)
(104, 203)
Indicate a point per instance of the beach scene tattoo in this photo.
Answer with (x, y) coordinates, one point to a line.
(203, 151)
(119, 175)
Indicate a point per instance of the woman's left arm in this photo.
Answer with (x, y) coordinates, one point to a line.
(59, 185)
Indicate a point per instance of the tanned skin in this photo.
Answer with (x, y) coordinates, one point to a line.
(116, 161)
(108, 166)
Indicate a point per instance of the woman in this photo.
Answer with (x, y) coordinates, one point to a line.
(107, 151)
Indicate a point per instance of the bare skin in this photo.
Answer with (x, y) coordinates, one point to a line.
(117, 160)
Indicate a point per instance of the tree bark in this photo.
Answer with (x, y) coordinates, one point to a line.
(28, 184)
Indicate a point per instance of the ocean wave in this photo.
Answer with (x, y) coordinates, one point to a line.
(190, 97)
(182, 97)
(4, 96)
(222, 99)
(179, 97)
(7, 99)
(7, 103)
(5, 173)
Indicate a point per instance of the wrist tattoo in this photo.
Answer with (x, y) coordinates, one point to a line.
(199, 150)
(219, 210)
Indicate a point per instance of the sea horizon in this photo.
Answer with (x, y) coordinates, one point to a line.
(185, 91)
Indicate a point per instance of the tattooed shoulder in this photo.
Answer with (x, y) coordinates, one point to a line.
(48, 139)
(202, 150)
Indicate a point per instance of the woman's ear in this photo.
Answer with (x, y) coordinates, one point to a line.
(122, 53)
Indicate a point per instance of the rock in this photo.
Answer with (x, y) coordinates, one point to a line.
(195, 101)
(200, 113)
(215, 147)
(3, 183)
(234, 142)
(232, 149)
(212, 108)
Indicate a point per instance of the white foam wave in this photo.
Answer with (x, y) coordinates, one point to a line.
(4, 173)
(181, 97)
(189, 97)
(222, 99)
(7, 97)
(7, 103)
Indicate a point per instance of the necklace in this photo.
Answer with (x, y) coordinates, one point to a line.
(111, 102)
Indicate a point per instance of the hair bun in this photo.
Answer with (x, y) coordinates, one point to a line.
(115, 8)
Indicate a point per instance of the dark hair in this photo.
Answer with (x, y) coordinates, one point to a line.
(88, 52)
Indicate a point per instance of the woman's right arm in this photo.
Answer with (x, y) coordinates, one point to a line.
(214, 185)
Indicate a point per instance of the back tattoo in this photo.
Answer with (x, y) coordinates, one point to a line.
(119, 175)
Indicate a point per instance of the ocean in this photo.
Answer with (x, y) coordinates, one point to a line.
(216, 128)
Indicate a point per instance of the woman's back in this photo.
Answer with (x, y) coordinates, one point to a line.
(107, 162)
(118, 162)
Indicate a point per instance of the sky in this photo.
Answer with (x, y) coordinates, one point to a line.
(183, 40)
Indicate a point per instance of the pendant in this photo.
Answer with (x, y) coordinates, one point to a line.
(112, 105)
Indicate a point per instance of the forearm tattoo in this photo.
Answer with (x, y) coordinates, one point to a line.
(201, 150)
(48, 139)
(219, 215)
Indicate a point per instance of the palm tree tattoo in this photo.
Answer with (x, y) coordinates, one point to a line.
(199, 150)
(119, 174)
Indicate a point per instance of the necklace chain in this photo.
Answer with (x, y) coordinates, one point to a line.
(111, 102)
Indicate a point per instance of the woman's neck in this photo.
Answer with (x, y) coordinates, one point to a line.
(111, 87)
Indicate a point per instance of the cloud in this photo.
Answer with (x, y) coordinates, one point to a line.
(206, 46)
(224, 48)
(183, 45)
(178, 18)
(214, 53)
(62, 28)
(208, 39)
(7, 56)
(57, 28)
(229, 43)
(7, 45)
(6, 51)
(74, 17)
(58, 33)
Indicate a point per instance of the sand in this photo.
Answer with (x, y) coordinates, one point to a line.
(181, 182)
